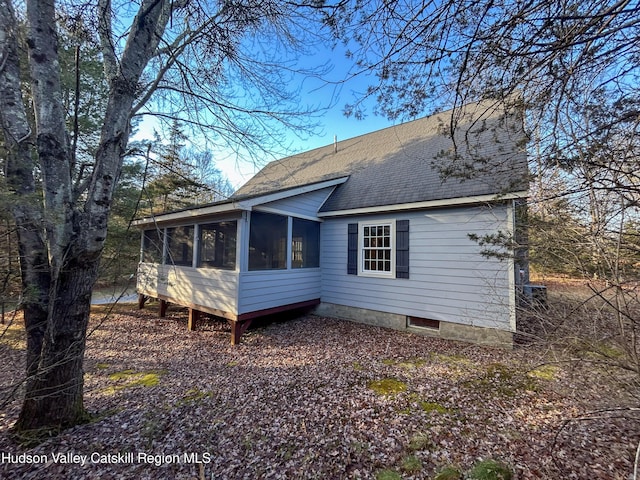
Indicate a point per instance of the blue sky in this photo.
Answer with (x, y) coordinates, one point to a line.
(330, 95)
(331, 122)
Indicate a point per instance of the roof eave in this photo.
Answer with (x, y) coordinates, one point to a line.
(195, 212)
(266, 197)
(447, 202)
(239, 204)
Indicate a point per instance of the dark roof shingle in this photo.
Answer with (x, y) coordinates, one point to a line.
(411, 162)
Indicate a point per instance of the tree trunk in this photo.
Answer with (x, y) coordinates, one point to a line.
(27, 208)
(54, 395)
(61, 231)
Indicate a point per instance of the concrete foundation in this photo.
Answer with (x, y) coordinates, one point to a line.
(447, 330)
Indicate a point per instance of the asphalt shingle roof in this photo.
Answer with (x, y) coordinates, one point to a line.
(411, 162)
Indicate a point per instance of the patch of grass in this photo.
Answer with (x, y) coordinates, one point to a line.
(411, 464)
(490, 470)
(387, 386)
(357, 366)
(388, 474)
(448, 473)
(102, 366)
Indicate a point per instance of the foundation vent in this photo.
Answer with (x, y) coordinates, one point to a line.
(423, 323)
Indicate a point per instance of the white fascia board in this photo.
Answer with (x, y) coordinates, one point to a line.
(240, 205)
(249, 203)
(449, 202)
(189, 213)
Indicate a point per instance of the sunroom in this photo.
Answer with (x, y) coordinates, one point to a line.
(237, 259)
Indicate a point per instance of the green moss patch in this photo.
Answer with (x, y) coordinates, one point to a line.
(503, 380)
(193, 395)
(411, 464)
(452, 359)
(387, 474)
(490, 470)
(448, 473)
(132, 378)
(421, 442)
(544, 372)
(387, 386)
(433, 407)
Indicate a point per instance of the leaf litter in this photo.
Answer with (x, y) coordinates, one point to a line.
(294, 401)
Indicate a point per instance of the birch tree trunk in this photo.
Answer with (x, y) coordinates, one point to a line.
(62, 214)
(61, 234)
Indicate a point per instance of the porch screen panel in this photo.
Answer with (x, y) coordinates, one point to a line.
(180, 245)
(305, 244)
(267, 241)
(152, 246)
(218, 245)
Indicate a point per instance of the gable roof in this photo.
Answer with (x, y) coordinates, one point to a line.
(409, 163)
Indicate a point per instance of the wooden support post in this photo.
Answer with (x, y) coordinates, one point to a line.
(141, 300)
(194, 316)
(237, 329)
(163, 308)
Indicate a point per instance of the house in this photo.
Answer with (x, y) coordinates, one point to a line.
(374, 229)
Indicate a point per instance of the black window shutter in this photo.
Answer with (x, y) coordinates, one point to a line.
(352, 249)
(402, 249)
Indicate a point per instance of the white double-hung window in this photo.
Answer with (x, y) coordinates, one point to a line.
(377, 248)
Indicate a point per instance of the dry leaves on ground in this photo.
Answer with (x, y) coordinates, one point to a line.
(317, 397)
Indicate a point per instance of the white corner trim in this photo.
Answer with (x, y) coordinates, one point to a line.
(511, 269)
(449, 202)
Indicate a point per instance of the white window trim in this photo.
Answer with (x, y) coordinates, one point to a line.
(371, 273)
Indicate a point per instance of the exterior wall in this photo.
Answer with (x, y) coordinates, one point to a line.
(188, 286)
(449, 280)
(273, 288)
(304, 206)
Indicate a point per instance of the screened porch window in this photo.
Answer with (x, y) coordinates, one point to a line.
(218, 245)
(305, 244)
(267, 241)
(152, 246)
(180, 245)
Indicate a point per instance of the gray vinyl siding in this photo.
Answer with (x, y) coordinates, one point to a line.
(449, 278)
(260, 290)
(209, 287)
(305, 205)
(275, 288)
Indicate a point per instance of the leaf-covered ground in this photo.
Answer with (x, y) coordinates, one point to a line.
(319, 398)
